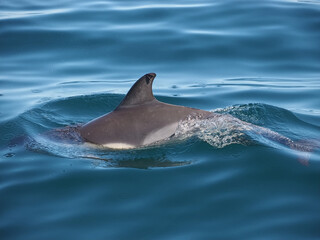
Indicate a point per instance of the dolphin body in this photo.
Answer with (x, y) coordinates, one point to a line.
(139, 120)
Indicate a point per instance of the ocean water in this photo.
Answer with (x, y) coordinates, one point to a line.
(66, 62)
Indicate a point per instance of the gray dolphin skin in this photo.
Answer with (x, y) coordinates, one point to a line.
(139, 120)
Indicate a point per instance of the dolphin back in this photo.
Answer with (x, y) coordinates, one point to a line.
(140, 119)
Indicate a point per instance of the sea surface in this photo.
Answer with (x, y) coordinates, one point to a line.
(67, 62)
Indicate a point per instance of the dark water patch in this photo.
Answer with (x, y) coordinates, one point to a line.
(9, 155)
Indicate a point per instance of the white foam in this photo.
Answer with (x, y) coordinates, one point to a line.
(218, 130)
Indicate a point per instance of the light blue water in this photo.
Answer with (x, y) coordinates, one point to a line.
(67, 62)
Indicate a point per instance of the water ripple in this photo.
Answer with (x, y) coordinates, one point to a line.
(25, 14)
(65, 62)
(160, 6)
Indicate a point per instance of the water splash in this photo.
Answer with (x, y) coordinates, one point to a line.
(218, 130)
(222, 129)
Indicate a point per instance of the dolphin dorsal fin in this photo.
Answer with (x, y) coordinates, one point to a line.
(140, 92)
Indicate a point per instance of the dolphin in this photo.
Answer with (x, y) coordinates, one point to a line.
(139, 120)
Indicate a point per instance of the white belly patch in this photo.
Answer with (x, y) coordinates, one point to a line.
(110, 145)
(152, 137)
(118, 145)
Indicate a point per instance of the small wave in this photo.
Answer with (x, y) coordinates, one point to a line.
(240, 124)
(220, 130)
(143, 158)
(159, 6)
(24, 14)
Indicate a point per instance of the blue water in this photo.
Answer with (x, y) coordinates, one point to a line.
(66, 62)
